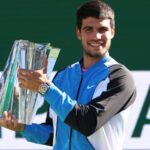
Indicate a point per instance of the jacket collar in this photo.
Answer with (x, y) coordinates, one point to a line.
(99, 64)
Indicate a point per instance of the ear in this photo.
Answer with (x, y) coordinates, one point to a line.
(78, 33)
(112, 33)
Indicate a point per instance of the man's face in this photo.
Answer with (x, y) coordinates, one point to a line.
(95, 35)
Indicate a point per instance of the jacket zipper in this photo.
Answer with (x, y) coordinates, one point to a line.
(70, 138)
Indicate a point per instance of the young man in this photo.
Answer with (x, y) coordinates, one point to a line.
(88, 100)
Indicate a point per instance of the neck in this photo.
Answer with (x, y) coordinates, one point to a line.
(89, 61)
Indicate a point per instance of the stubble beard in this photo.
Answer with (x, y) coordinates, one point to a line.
(95, 54)
(92, 55)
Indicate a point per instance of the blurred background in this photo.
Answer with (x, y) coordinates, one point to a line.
(43, 21)
(54, 21)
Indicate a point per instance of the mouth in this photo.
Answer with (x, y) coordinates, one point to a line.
(96, 44)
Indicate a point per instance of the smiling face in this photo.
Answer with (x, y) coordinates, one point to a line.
(95, 35)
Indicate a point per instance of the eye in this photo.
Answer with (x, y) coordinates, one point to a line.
(103, 29)
(88, 29)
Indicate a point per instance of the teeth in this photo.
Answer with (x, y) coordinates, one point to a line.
(96, 44)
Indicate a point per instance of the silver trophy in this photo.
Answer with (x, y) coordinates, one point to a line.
(26, 55)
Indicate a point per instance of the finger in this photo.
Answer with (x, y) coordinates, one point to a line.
(21, 80)
(2, 122)
(30, 74)
(3, 119)
(43, 69)
(10, 115)
(5, 115)
(40, 72)
(22, 71)
(25, 83)
(21, 77)
(14, 121)
(25, 72)
(9, 121)
(22, 86)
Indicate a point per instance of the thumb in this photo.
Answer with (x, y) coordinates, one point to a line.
(44, 70)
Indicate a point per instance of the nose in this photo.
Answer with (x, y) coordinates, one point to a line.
(98, 35)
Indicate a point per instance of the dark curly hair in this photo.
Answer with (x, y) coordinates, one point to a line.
(97, 9)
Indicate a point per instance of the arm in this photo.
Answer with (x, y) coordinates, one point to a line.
(36, 133)
(40, 133)
(9, 121)
(88, 118)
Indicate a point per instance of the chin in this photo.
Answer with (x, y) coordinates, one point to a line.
(96, 55)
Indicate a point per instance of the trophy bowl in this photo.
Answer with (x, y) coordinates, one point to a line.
(24, 54)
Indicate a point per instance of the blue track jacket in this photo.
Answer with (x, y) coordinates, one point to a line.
(88, 110)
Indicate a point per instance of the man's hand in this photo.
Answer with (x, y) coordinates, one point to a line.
(9, 121)
(31, 79)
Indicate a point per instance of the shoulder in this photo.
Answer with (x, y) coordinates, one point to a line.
(121, 76)
(119, 70)
(67, 70)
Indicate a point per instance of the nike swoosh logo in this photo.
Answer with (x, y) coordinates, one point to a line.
(90, 86)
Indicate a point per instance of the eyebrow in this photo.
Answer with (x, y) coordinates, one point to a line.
(88, 26)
